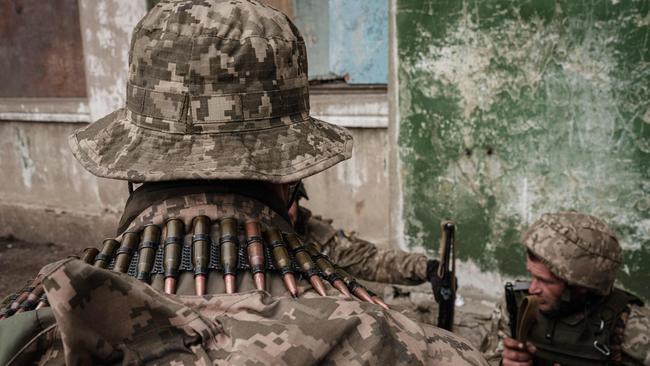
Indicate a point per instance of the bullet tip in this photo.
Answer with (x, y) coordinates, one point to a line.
(318, 285)
(290, 284)
(170, 285)
(260, 281)
(229, 281)
(361, 293)
(199, 285)
(342, 288)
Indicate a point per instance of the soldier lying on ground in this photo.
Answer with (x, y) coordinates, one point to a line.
(576, 316)
(217, 129)
(357, 256)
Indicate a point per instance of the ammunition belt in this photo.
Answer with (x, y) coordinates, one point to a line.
(186, 259)
(169, 250)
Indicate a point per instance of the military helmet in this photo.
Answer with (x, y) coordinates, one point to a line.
(217, 89)
(577, 248)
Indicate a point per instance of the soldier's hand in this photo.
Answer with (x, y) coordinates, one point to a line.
(516, 353)
(432, 269)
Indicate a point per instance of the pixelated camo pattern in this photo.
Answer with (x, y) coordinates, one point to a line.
(108, 317)
(364, 259)
(578, 248)
(217, 89)
(636, 339)
(213, 205)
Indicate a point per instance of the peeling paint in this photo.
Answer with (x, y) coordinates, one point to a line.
(26, 163)
(512, 109)
(107, 27)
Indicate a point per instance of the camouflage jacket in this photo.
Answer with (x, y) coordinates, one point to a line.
(360, 257)
(99, 316)
(636, 336)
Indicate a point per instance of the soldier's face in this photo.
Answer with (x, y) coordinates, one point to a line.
(544, 285)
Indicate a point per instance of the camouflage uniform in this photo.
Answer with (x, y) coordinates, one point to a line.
(360, 257)
(218, 93)
(581, 250)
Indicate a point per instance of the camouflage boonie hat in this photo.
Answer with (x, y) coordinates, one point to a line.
(217, 89)
(577, 248)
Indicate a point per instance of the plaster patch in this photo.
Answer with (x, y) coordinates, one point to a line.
(26, 162)
(470, 275)
(646, 116)
(352, 173)
(107, 30)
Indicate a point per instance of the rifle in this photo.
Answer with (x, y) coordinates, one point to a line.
(515, 291)
(511, 306)
(445, 289)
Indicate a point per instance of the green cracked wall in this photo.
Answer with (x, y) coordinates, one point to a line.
(508, 109)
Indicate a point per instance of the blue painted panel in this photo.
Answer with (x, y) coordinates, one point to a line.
(312, 18)
(345, 37)
(359, 40)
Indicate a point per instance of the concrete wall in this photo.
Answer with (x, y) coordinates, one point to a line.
(46, 196)
(508, 109)
(355, 193)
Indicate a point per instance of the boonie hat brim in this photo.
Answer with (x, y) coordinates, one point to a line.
(115, 147)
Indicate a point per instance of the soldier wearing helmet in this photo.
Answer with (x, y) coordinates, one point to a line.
(206, 267)
(577, 316)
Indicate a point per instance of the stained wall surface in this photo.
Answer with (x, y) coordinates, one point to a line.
(47, 197)
(509, 109)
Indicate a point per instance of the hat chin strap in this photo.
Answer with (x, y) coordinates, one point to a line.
(294, 194)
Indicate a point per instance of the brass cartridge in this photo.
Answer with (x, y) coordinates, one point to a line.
(255, 251)
(355, 287)
(148, 247)
(125, 251)
(31, 300)
(89, 254)
(109, 246)
(327, 269)
(281, 257)
(282, 260)
(172, 253)
(305, 262)
(378, 300)
(200, 251)
(43, 302)
(228, 243)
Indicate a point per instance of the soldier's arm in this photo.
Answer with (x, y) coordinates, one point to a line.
(492, 345)
(636, 337)
(363, 259)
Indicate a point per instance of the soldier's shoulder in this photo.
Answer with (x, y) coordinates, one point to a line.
(320, 230)
(638, 321)
(636, 342)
